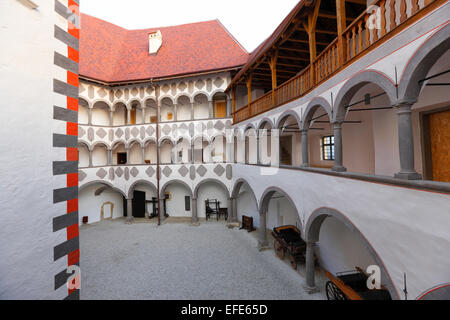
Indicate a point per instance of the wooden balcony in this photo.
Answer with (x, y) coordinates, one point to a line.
(383, 20)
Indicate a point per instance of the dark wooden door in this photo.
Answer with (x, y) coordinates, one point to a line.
(139, 204)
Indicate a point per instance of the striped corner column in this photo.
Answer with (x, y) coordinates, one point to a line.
(66, 59)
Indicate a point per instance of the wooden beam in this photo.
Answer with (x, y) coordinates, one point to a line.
(341, 25)
(310, 27)
(307, 42)
(320, 31)
(364, 2)
(295, 50)
(273, 69)
(293, 58)
(333, 16)
(249, 87)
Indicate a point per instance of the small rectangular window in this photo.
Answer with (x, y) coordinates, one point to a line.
(187, 203)
(328, 148)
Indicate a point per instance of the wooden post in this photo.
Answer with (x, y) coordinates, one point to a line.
(233, 97)
(341, 25)
(273, 68)
(310, 28)
(249, 93)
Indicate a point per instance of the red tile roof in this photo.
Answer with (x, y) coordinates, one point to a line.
(109, 53)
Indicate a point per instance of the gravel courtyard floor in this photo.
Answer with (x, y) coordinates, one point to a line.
(182, 262)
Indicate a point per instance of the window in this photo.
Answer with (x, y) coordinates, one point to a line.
(328, 148)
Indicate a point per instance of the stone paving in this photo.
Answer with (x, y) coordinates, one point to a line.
(181, 262)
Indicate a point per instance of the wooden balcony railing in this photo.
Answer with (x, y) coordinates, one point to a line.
(382, 18)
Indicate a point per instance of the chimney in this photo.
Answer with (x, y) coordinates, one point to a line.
(155, 42)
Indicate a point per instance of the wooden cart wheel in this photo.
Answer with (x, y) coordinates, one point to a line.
(293, 262)
(278, 249)
(333, 292)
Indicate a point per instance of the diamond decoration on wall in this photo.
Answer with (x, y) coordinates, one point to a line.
(102, 93)
(199, 84)
(81, 175)
(111, 174)
(81, 132)
(134, 92)
(101, 173)
(91, 134)
(209, 85)
(134, 172)
(219, 170)
(150, 171)
(134, 132)
(119, 94)
(142, 133)
(218, 82)
(229, 171)
(166, 129)
(167, 171)
(111, 135)
(201, 170)
(91, 92)
(183, 171)
(127, 133)
(119, 133)
(182, 86)
(101, 133)
(219, 125)
(150, 130)
(192, 172)
(165, 88)
(119, 172)
(228, 124)
(127, 174)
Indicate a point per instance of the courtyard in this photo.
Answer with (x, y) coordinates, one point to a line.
(180, 262)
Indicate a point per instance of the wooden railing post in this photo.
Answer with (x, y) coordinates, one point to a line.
(310, 27)
(341, 25)
(249, 92)
(273, 68)
(233, 97)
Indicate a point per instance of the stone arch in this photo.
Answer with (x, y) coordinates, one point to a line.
(107, 146)
(312, 107)
(148, 140)
(180, 95)
(214, 92)
(267, 195)
(441, 292)
(201, 92)
(354, 84)
(166, 138)
(264, 121)
(237, 187)
(117, 102)
(133, 141)
(115, 143)
(166, 96)
(85, 143)
(84, 186)
(285, 115)
(175, 181)
(197, 187)
(146, 182)
(421, 62)
(86, 102)
(94, 102)
(130, 104)
(312, 231)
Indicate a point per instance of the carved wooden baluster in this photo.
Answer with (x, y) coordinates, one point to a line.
(392, 14)
(414, 6)
(367, 33)
(360, 36)
(353, 41)
(402, 10)
(348, 46)
(383, 17)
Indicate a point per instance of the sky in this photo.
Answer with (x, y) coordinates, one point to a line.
(249, 21)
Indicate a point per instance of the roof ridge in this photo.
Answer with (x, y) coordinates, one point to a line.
(232, 37)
